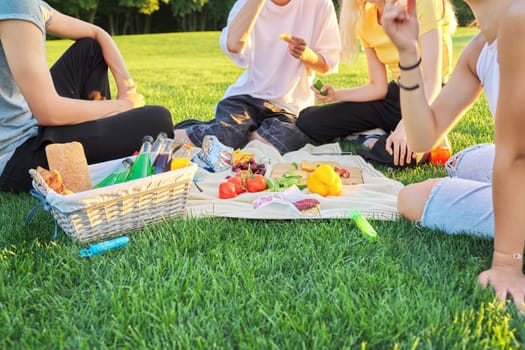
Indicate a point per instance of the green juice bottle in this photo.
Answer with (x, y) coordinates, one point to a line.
(142, 166)
(118, 175)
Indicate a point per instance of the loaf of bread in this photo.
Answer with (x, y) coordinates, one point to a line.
(70, 161)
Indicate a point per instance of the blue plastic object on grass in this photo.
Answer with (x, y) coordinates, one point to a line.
(102, 247)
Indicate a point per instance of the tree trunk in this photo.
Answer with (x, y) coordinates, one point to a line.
(147, 24)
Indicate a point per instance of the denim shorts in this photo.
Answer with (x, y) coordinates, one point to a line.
(236, 117)
(462, 203)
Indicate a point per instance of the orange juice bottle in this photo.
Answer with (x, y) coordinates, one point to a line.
(181, 157)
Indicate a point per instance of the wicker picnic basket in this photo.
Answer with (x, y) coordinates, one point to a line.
(109, 211)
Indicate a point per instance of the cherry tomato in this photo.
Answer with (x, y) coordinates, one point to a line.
(255, 183)
(227, 190)
(240, 187)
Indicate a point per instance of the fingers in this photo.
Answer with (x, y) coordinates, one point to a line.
(411, 7)
(399, 151)
(296, 46)
(519, 301)
(483, 279)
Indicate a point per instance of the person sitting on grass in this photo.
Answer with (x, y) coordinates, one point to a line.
(263, 103)
(473, 202)
(69, 102)
(376, 104)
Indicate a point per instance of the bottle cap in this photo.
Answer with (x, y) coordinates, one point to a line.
(147, 138)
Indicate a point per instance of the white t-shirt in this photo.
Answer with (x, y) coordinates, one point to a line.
(271, 72)
(487, 69)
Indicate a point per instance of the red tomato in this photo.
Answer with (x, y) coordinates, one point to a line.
(240, 187)
(227, 190)
(255, 183)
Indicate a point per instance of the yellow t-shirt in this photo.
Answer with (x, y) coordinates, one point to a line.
(430, 14)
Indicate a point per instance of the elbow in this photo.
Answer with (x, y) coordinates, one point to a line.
(323, 69)
(45, 112)
(235, 47)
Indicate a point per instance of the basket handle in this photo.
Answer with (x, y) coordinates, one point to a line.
(38, 182)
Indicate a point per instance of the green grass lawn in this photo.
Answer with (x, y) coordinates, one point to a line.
(221, 283)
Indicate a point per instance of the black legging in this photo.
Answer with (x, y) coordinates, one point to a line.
(79, 71)
(328, 122)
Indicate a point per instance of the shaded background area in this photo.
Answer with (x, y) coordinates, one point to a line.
(120, 17)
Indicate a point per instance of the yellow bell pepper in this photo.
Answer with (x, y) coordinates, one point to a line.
(324, 181)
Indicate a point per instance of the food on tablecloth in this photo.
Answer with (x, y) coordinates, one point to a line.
(53, 180)
(255, 182)
(285, 36)
(250, 164)
(287, 180)
(240, 185)
(242, 181)
(227, 190)
(214, 156)
(324, 181)
(293, 197)
(70, 161)
(343, 173)
(240, 156)
(307, 205)
(301, 169)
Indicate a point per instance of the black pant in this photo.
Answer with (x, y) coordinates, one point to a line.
(335, 120)
(79, 71)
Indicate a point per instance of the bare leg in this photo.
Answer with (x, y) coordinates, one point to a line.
(412, 199)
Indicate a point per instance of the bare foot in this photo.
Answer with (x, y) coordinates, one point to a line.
(254, 135)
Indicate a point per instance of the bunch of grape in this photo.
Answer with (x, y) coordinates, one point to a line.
(251, 164)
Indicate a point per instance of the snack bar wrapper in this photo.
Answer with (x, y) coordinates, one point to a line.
(214, 156)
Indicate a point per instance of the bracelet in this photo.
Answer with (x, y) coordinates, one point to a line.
(410, 67)
(407, 88)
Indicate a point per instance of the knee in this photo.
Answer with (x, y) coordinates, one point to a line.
(304, 121)
(87, 44)
(412, 199)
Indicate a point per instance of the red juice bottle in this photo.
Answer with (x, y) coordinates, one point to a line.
(158, 145)
(163, 157)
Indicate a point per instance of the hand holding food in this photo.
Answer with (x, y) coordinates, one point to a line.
(285, 36)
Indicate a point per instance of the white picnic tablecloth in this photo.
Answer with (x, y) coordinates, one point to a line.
(376, 198)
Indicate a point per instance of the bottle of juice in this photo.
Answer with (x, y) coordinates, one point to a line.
(118, 175)
(180, 158)
(161, 162)
(442, 152)
(318, 84)
(158, 145)
(142, 166)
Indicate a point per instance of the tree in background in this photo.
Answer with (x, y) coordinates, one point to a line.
(120, 17)
(463, 13)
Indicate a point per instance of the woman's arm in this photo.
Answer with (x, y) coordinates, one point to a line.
(375, 89)
(505, 275)
(425, 124)
(22, 44)
(431, 62)
(71, 28)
